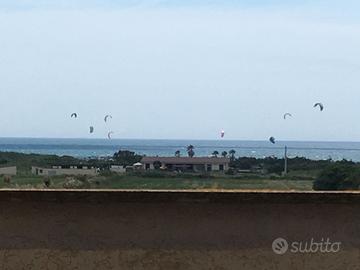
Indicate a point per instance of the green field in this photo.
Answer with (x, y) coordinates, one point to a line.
(174, 183)
(213, 184)
(262, 174)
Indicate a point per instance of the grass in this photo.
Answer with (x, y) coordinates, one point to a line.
(301, 176)
(164, 183)
(153, 183)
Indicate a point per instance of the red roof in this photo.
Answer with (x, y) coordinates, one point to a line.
(186, 160)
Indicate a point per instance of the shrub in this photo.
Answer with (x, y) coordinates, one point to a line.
(277, 168)
(72, 183)
(82, 178)
(126, 158)
(339, 176)
(7, 179)
(47, 181)
(108, 173)
(205, 175)
(230, 171)
(151, 174)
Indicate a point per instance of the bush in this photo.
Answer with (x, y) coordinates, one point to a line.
(151, 174)
(245, 163)
(205, 175)
(339, 176)
(230, 171)
(7, 179)
(277, 169)
(73, 183)
(82, 178)
(127, 158)
(47, 181)
(108, 173)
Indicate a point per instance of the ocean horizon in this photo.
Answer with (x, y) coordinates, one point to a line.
(88, 147)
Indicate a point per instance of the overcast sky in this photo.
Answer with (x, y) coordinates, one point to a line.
(180, 69)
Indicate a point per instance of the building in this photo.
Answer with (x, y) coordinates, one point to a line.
(197, 164)
(8, 170)
(65, 170)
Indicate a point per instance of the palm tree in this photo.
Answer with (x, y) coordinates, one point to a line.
(215, 153)
(190, 150)
(177, 153)
(224, 154)
(232, 154)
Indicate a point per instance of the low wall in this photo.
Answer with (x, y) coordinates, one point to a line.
(178, 230)
(8, 170)
(56, 171)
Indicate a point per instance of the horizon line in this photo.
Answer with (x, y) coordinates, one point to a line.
(178, 139)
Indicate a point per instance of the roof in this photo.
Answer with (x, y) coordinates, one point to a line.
(186, 160)
(137, 164)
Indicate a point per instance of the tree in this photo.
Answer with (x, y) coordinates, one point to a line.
(339, 176)
(190, 150)
(232, 154)
(157, 164)
(245, 163)
(224, 154)
(177, 153)
(215, 153)
(126, 158)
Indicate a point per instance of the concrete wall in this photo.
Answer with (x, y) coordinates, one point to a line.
(216, 167)
(118, 169)
(56, 171)
(198, 167)
(175, 230)
(8, 170)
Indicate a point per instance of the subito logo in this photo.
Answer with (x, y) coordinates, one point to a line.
(280, 246)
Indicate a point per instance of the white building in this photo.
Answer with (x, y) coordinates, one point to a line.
(59, 170)
(187, 163)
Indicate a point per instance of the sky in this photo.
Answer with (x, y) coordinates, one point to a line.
(180, 69)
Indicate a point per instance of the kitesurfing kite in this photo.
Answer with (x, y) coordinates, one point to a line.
(109, 134)
(272, 140)
(222, 134)
(320, 105)
(91, 129)
(74, 115)
(107, 117)
(287, 115)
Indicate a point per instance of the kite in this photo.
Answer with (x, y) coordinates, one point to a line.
(320, 105)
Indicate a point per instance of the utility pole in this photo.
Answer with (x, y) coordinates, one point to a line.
(286, 162)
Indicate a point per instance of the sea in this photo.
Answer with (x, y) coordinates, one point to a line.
(98, 148)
